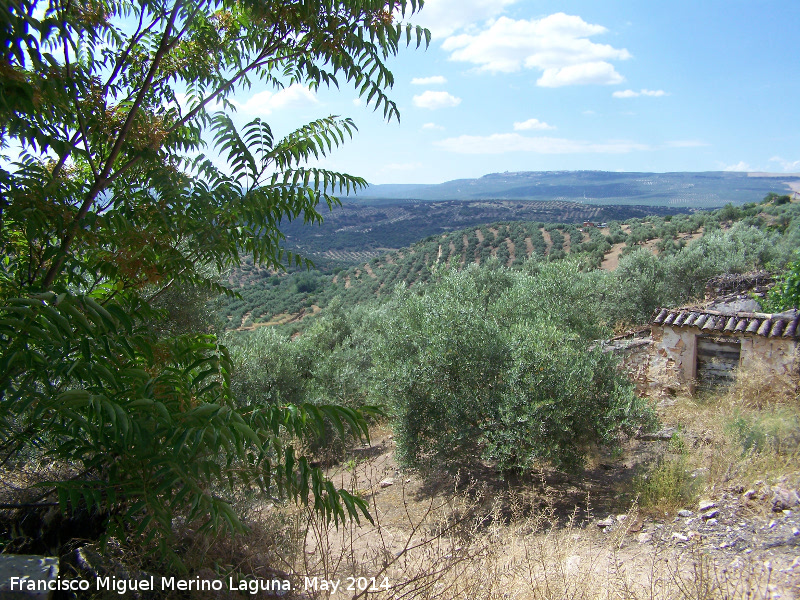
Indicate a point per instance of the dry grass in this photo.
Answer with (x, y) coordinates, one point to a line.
(462, 541)
(744, 436)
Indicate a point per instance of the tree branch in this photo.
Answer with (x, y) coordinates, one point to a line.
(102, 181)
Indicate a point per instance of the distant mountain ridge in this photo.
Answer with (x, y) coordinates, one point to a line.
(687, 189)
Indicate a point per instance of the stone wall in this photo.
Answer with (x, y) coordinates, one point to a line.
(673, 361)
(634, 360)
(778, 356)
(673, 358)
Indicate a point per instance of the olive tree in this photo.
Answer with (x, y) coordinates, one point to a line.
(498, 364)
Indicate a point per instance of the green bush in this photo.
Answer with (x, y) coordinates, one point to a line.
(493, 363)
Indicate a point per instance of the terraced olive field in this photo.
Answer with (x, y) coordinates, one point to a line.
(268, 297)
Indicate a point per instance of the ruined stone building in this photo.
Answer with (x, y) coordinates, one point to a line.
(699, 347)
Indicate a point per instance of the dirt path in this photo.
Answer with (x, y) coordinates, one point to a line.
(479, 234)
(651, 245)
(512, 256)
(528, 246)
(567, 242)
(548, 241)
(571, 533)
(368, 268)
(611, 259)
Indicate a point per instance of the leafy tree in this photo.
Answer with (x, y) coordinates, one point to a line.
(786, 294)
(777, 199)
(494, 363)
(110, 205)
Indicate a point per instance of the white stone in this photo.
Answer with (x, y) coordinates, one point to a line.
(685, 513)
(387, 482)
(30, 568)
(705, 505)
(608, 522)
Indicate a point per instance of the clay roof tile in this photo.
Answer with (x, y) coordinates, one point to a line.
(765, 327)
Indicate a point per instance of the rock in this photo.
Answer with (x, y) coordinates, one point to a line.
(643, 537)
(705, 505)
(783, 499)
(748, 495)
(710, 514)
(33, 569)
(685, 513)
(680, 537)
(711, 522)
(795, 531)
(663, 435)
(621, 518)
(607, 522)
(387, 482)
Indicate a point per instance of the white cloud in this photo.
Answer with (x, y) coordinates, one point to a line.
(435, 80)
(788, 166)
(589, 113)
(501, 143)
(433, 100)
(531, 124)
(357, 102)
(444, 17)
(558, 45)
(593, 73)
(740, 166)
(634, 94)
(265, 102)
(433, 126)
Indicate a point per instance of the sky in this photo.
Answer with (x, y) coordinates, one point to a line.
(536, 85)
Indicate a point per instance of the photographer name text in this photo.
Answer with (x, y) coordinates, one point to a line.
(149, 584)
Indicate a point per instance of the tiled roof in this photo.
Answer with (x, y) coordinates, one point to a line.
(783, 325)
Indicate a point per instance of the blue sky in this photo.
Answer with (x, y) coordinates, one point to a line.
(529, 85)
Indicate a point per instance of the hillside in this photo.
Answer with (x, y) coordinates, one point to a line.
(356, 232)
(270, 298)
(688, 189)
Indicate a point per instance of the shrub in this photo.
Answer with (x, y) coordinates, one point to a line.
(493, 363)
